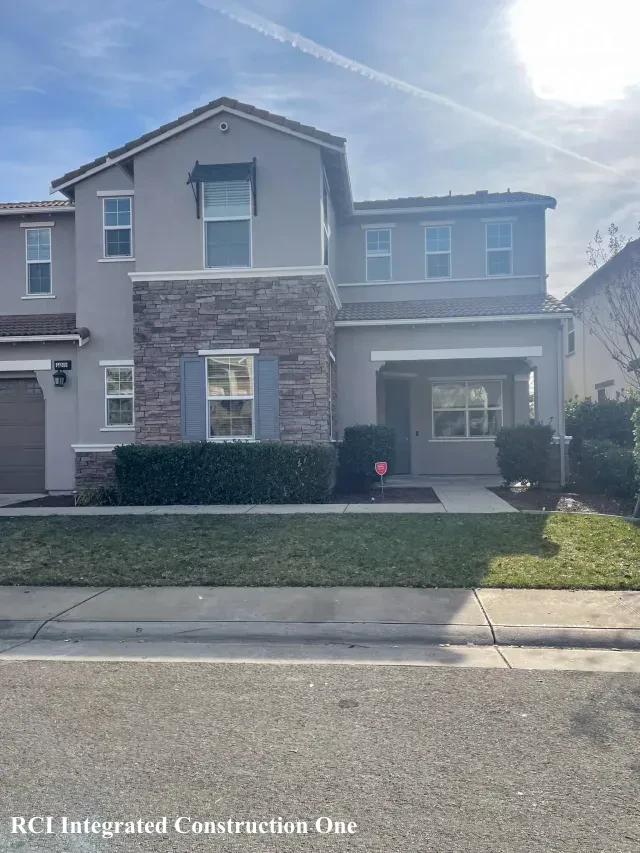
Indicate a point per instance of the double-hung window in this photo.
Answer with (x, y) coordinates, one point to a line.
(438, 251)
(117, 227)
(466, 409)
(230, 392)
(378, 254)
(571, 337)
(227, 223)
(499, 248)
(38, 261)
(119, 396)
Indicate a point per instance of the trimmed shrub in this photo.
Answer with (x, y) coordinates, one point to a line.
(224, 473)
(524, 452)
(606, 467)
(362, 447)
(636, 423)
(609, 420)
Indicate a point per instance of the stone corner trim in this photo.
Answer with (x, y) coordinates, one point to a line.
(94, 468)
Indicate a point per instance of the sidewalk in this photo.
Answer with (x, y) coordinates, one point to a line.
(502, 617)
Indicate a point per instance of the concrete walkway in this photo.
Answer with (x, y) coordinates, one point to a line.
(530, 618)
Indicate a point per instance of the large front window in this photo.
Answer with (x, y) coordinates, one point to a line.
(378, 254)
(467, 409)
(230, 397)
(227, 223)
(38, 261)
(119, 396)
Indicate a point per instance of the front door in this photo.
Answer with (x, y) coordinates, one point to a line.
(398, 416)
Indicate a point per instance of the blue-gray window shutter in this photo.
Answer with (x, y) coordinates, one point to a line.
(267, 403)
(193, 398)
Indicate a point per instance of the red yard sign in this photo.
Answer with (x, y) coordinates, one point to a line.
(381, 468)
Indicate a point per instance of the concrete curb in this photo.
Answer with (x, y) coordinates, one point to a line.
(556, 637)
(207, 632)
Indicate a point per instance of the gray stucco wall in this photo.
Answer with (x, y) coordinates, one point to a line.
(287, 229)
(13, 265)
(468, 256)
(104, 306)
(359, 398)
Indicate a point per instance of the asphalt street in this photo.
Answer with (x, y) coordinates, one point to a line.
(420, 759)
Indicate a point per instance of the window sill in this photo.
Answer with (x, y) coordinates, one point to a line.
(39, 296)
(114, 260)
(491, 438)
(117, 429)
(568, 354)
(237, 438)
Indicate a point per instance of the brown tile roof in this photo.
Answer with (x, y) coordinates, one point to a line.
(433, 309)
(55, 203)
(248, 109)
(479, 197)
(17, 325)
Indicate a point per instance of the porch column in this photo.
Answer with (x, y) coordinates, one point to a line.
(521, 398)
(357, 393)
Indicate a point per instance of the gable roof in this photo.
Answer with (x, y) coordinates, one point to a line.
(538, 305)
(626, 255)
(480, 197)
(194, 117)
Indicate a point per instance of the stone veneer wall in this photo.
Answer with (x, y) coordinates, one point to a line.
(94, 469)
(289, 317)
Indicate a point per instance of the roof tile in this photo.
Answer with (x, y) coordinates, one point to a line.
(433, 309)
(454, 200)
(19, 205)
(37, 324)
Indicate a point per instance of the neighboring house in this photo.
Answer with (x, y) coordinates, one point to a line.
(214, 279)
(590, 369)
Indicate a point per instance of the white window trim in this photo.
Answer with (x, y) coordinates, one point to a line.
(487, 249)
(332, 379)
(106, 228)
(226, 219)
(39, 296)
(325, 232)
(378, 255)
(474, 380)
(228, 352)
(571, 335)
(243, 397)
(118, 362)
(378, 226)
(114, 193)
(117, 260)
(439, 252)
(50, 261)
(117, 427)
(46, 224)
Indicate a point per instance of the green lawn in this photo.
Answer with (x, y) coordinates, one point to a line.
(561, 551)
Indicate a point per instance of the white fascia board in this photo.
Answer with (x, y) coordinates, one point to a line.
(222, 274)
(126, 155)
(436, 321)
(22, 211)
(28, 364)
(454, 354)
(44, 339)
(432, 280)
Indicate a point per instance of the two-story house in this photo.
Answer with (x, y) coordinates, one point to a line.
(214, 279)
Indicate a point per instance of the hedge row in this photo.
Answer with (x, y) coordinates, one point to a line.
(524, 452)
(225, 473)
(602, 466)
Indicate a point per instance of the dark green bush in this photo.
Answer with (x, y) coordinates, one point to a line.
(636, 423)
(524, 452)
(224, 473)
(606, 467)
(362, 447)
(609, 420)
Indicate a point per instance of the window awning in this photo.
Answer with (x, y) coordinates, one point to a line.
(205, 173)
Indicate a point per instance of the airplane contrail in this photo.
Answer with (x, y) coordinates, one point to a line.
(306, 45)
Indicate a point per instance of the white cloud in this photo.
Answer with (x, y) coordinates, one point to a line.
(99, 39)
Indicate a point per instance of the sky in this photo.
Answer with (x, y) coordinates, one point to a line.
(432, 95)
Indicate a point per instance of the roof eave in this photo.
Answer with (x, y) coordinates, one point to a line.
(80, 339)
(441, 208)
(22, 211)
(422, 321)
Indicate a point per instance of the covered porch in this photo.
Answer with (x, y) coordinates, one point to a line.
(445, 403)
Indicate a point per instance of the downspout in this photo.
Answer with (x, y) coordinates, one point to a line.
(561, 337)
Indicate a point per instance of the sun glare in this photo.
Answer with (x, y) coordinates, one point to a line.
(581, 52)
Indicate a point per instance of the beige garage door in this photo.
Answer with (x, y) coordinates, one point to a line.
(21, 436)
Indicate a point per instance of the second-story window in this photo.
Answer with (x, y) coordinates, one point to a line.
(499, 248)
(438, 251)
(38, 261)
(117, 227)
(571, 337)
(378, 254)
(227, 223)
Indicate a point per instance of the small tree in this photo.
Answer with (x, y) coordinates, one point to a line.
(616, 324)
(598, 253)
